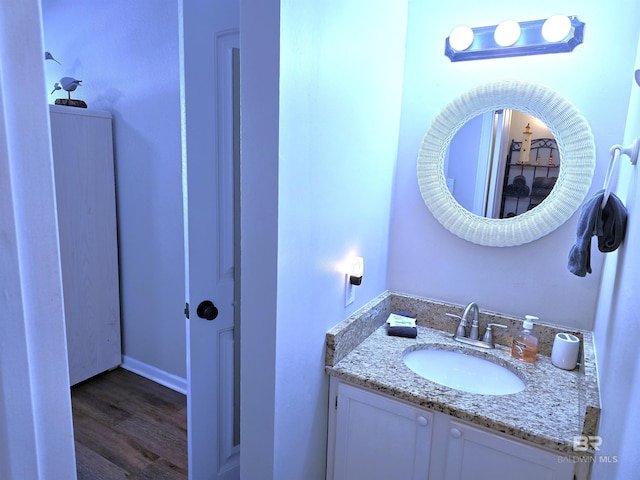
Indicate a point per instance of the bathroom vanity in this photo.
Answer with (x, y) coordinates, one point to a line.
(386, 421)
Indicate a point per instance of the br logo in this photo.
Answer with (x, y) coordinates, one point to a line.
(582, 443)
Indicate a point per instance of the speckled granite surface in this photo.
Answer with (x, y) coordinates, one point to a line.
(352, 331)
(555, 406)
(431, 313)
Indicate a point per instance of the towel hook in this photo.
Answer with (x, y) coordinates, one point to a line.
(631, 151)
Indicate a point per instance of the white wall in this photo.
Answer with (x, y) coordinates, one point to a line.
(36, 431)
(426, 259)
(126, 54)
(340, 85)
(617, 319)
(259, 93)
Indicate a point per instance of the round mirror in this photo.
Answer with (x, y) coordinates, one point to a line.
(568, 133)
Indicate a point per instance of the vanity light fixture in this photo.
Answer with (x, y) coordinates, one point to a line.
(558, 33)
(356, 271)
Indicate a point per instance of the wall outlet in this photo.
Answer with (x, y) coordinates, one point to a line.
(349, 293)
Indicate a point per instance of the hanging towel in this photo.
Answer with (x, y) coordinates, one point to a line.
(607, 224)
(611, 225)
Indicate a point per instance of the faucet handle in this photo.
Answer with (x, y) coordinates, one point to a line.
(455, 316)
(460, 331)
(496, 325)
(488, 333)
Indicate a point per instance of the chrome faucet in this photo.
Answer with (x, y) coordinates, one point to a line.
(473, 306)
(474, 334)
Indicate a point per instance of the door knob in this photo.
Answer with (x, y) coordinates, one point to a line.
(207, 310)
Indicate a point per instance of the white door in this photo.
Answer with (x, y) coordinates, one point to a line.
(210, 153)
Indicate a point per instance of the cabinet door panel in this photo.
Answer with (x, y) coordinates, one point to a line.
(380, 438)
(477, 454)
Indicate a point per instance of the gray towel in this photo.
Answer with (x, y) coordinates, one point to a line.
(611, 225)
(608, 224)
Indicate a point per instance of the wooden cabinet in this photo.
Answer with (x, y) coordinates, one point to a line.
(85, 196)
(372, 436)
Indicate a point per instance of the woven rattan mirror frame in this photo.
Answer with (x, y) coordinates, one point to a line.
(577, 154)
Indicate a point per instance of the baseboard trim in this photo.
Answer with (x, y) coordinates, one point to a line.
(154, 374)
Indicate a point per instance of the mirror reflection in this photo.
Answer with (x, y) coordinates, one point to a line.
(502, 163)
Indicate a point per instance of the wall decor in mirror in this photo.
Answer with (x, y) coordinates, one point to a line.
(551, 156)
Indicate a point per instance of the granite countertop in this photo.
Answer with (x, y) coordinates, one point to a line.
(555, 406)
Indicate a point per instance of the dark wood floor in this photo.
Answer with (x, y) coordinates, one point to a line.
(126, 426)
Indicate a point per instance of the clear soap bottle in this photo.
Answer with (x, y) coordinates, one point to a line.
(525, 344)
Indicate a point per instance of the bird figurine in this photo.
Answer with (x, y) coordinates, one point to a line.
(68, 84)
(48, 56)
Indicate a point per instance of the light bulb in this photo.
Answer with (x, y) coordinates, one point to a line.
(461, 38)
(556, 28)
(507, 33)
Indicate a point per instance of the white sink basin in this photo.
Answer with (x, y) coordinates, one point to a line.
(463, 372)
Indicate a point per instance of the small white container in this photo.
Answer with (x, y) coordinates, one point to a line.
(565, 351)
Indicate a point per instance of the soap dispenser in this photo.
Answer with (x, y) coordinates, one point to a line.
(525, 344)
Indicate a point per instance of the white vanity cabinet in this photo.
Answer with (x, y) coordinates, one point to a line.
(86, 208)
(378, 438)
(372, 436)
(470, 452)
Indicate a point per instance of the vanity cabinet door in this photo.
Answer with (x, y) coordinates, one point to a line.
(473, 453)
(379, 438)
